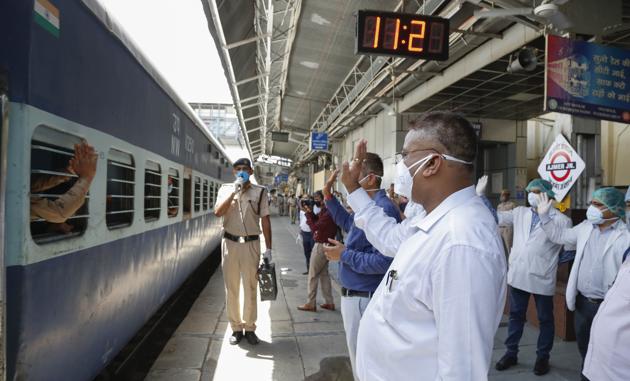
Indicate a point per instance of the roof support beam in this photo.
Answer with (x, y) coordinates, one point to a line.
(242, 81)
(244, 42)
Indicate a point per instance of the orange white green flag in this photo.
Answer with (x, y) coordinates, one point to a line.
(47, 16)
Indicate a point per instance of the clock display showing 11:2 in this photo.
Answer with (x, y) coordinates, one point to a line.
(402, 34)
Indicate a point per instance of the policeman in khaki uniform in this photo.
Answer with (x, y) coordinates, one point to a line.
(242, 205)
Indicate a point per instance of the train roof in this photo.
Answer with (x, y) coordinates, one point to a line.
(110, 23)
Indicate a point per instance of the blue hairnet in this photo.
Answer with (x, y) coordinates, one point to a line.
(613, 199)
(542, 185)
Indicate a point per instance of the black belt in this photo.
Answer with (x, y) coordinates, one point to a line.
(362, 294)
(590, 300)
(241, 239)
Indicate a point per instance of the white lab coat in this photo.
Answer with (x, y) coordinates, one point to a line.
(533, 261)
(437, 319)
(616, 246)
(608, 356)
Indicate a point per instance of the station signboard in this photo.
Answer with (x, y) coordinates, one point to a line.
(319, 141)
(587, 79)
(561, 166)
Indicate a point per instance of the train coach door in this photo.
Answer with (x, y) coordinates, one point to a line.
(4, 134)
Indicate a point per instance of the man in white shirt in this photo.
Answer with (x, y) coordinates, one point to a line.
(601, 241)
(435, 313)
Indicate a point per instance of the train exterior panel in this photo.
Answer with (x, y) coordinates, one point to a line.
(73, 303)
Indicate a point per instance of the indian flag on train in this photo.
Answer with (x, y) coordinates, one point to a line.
(47, 16)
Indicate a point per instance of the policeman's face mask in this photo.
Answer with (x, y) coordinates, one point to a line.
(243, 174)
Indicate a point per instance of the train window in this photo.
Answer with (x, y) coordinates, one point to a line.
(51, 178)
(187, 194)
(152, 190)
(204, 198)
(210, 195)
(119, 206)
(173, 192)
(197, 194)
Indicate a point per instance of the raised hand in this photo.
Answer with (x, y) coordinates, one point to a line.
(351, 172)
(329, 184)
(544, 203)
(83, 163)
(482, 185)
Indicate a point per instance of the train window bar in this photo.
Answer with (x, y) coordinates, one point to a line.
(51, 150)
(205, 194)
(173, 192)
(152, 190)
(120, 195)
(197, 202)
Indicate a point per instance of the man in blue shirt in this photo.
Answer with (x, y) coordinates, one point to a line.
(361, 266)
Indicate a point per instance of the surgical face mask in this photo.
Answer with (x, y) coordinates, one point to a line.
(244, 175)
(532, 198)
(596, 216)
(318, 204)
(403, 183)
(363, 179)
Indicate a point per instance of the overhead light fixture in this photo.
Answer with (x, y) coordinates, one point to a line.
(390, 109)
(525, 60)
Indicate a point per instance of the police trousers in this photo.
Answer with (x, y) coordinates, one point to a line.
(240, 262)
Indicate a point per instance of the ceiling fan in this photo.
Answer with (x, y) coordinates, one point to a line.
(548, 11)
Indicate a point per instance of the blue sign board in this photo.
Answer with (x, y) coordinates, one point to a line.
(319, 141)
(281, 178)
(587, 79)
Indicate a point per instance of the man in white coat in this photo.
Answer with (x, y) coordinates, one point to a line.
(532, 268)
(601, 240)
(434, 315)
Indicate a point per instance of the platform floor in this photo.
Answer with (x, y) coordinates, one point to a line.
(297, 345)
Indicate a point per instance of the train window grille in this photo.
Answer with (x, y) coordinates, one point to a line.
(210, 195)
(197, 202)
(51, 151)
(187, 194)
(205, 195)
(173, 192)
(119, 203)
(152, 191)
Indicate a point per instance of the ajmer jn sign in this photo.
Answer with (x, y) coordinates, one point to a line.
(561, 166)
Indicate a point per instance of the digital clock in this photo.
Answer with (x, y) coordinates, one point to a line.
(402, 34)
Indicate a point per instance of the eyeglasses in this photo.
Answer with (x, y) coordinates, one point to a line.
(400, 156)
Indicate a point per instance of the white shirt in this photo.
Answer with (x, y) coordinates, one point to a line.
(590, 281)
(383, 231)
(438, 318)
(303, 225)
(608, 356)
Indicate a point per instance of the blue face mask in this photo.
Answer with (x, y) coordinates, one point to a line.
(244, 175)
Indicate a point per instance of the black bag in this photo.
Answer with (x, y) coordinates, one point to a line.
(267, 281)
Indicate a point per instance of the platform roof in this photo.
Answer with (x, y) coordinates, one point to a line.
(292, 67)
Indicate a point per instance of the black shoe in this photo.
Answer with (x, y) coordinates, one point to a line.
(236, 337)
(305, 273)
(251, 337)
(541, 367)
(506, 362)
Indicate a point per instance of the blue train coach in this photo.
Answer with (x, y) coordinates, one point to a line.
(77, 292)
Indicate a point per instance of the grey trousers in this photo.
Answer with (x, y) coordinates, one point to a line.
(318, 273)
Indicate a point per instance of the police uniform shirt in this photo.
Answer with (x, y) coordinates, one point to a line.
(249, 204)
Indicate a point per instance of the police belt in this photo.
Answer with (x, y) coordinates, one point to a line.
(361, 294)
(240, 239)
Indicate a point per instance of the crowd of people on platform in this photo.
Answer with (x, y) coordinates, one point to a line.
(425, 265)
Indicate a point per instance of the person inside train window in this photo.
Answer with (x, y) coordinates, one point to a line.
(172, 198)
(58, 210)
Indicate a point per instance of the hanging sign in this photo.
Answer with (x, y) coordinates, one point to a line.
(561, 166)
